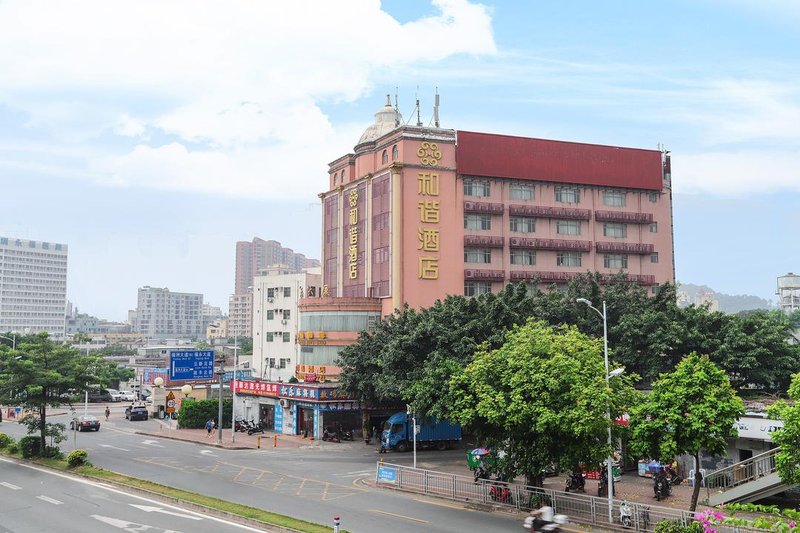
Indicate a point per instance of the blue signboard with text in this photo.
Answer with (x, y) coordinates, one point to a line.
(189, 365)
(386, 474)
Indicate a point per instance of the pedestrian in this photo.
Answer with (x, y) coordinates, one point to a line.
(209, 428)
(108, 412)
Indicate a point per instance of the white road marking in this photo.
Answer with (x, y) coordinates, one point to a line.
(50, 500)
(151, 509)
(128, 526)
(208, 452)
(358, 474)
(152, 443)
(9, 485)
(113, 447)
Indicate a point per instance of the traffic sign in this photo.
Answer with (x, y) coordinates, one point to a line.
(189, 365)
(170, 402)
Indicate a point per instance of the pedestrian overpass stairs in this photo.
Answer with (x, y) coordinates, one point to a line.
(746, 481)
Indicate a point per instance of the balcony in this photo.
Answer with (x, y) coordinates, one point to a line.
(623, 216)
(484, 275)
(624, 248)
(549, 212)
(487, 241)
(543, 276)
(550, 244)
(490, 208)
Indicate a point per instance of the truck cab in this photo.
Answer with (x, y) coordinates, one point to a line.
(398, 433)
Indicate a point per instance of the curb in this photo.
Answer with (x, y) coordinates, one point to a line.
(181, 439)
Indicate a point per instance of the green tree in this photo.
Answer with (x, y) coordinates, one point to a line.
(39, 372)
(690, 410)
(541, 397)
(788, 438)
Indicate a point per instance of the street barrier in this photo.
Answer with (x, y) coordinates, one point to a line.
(580, 508)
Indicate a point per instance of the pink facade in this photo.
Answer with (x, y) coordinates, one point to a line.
(416, 214)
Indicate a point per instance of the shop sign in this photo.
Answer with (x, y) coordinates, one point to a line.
(311, 338)
(352, 250)
(320, 372)
(295, 391)
(149, 375)
(429, 215)
(257, 388)
(332, 394)
(339, 406)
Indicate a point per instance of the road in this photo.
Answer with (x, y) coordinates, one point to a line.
(34, 499)
(312, 484)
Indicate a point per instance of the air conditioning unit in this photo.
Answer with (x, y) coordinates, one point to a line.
(284, 403)
(270, 299)
(284, 321)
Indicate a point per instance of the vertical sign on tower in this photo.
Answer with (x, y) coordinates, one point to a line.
(353, 242)
(428, 206)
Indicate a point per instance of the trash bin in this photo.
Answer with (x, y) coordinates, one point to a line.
(161, 411)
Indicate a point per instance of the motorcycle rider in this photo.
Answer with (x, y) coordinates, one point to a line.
(539, 518)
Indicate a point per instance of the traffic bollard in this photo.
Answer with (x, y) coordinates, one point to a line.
(274, 441)
(258, 442)
(335, 524)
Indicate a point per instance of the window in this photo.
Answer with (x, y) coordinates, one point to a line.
(615, 230)
(474, 288)
(270, 314)
(568, 227)
(270, 293)
(270, 336)
(283, 363)
(394, 153)
(654, 257)
(286, 314)
(614, 198)
(652, 196)
(384, 157)
(286, 336)
(654, 227)
(522, 224)
(567, 195)
(615, 261)
(568, 259)
(474, 187)
(477, 221)
(520, 192)
(287, 292)
(477, 255)
(270, 362)
(523, 257)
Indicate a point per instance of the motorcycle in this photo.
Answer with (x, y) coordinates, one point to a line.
(241, 425)
(576, 482)
(673, 477)
(500, 493)
(481, 473)
(626, 514)
(602, 485)
(258, 428)
(661, 486)
(345, 435)
(534, 524)
(330, 436)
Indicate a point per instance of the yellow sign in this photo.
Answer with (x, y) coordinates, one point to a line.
(429, 216)
(429, 154)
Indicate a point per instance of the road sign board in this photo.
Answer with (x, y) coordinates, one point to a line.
(189, 365)
(387, 474)
(170, 402)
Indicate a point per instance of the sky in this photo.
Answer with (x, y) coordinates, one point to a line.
(151, 135)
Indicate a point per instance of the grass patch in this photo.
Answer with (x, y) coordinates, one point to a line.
(245, 511)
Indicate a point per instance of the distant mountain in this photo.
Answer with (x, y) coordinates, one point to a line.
(727, 303)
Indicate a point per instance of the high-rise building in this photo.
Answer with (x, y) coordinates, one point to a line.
(33, 286)
(258, 254)
(161, 314)
(789, 292)
(240, 315)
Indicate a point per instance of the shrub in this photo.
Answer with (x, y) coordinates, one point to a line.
(194, 414)
(53, 452)
(77, 458)
(5, 441)
(668, 526)
(30, 446)
(13, 448)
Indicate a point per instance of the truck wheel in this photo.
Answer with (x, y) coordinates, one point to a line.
(441, 445)
(402, 446)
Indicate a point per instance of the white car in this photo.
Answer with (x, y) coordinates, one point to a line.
(116, 396)
(127, 396)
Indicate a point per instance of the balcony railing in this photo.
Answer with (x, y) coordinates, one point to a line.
(623, 216)
(550, 244)
(484, 275)
(488, 241)
(484, 207)
(624, 247)
(549, 212)
(546, 276)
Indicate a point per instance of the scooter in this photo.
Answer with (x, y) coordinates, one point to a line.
(576, 482)
(602, 485)
(501, 493)
(661, 486)
(481, 473)
(346, 435)
(241, 425)
(330, 436)
(258, 428)
(533, 524)
(626, 514)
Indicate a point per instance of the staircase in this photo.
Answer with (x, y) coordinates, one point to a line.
(747, 481)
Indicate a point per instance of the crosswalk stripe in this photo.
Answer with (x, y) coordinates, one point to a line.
(10, 486)
(49, 500)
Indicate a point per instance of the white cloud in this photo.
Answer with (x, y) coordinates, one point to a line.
(235, 85)
(736, 173)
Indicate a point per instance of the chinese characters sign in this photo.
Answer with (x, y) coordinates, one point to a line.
(187, 365)
(352, 255)
(429, 217)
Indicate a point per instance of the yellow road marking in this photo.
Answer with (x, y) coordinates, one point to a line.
(440, 504)
(300, 489)
(399, 516)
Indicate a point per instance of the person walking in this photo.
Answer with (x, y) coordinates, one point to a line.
(209, 428)
(108, 412)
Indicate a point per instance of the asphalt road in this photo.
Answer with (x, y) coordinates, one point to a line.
(38, 500)
(312, 484)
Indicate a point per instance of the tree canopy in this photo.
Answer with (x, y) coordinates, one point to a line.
(541, 397)
(692, 409)
(787, 438)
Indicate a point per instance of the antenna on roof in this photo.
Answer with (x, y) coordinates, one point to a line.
(436, 109)
(419, 120)
(396, 108)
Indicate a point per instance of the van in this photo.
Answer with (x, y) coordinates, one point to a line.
(101, 395)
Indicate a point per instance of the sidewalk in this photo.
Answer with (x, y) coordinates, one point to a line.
(242, 441)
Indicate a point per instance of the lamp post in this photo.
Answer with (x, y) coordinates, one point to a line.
(220, 374)
(616, 372)
(233, 388)
(13, 341)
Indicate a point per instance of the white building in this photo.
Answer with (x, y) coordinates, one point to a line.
(161, 314)
(33, 286)
(789, 292)
(275, 321)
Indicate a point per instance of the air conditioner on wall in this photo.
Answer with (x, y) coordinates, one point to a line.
(284, 321)
(270, 299)
(284, 403)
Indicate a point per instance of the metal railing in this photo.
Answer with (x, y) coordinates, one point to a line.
(580, 508)
(743, 472)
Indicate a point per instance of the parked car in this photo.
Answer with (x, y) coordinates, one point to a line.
(85, 422)
(127, 396)
(116, 395)
(101, 395)
(136, 412)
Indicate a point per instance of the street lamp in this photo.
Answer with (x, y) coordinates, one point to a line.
(220, 374)
(609, 375)
(13, 341)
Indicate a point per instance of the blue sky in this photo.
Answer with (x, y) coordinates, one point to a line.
(152, 136)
